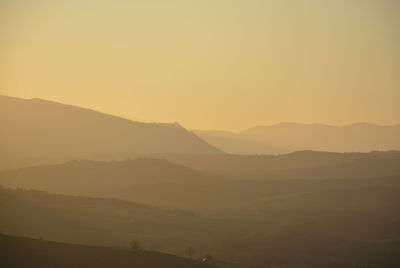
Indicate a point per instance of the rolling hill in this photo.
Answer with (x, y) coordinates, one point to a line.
(206, 191)
(333, 223)
(35, 128)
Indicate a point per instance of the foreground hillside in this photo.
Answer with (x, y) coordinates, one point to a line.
(26, 252)
(37, 128)
(101, 221)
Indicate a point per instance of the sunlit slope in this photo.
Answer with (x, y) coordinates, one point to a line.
(37, 128)
(27, 252)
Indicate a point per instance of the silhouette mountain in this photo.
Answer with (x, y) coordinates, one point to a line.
(39, 128)
(290, 137)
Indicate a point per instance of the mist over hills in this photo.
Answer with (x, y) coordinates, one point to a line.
(290, 137)
(37, 128)
(200, 134)
(204, 189)
(109, 180)
(335, 223)
(37, 132)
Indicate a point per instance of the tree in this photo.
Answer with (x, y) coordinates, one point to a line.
(190, 252)
(207, 258)
(134, 245)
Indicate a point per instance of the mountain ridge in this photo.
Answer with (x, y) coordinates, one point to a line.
(42, 128)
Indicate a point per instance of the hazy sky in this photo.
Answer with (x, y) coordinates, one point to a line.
(208, 64)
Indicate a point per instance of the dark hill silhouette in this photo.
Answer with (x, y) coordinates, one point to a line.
(37, 128)
(27, 252)
(290, 137)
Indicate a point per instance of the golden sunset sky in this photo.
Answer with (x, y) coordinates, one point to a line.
(208, 64)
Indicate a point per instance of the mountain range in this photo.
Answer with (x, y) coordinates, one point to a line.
(36, 131)
(245, 198)
(289, 137)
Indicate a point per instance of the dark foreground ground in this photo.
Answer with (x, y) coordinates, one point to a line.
(26, 252)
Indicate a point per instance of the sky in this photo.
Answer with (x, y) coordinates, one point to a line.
(208, 64)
